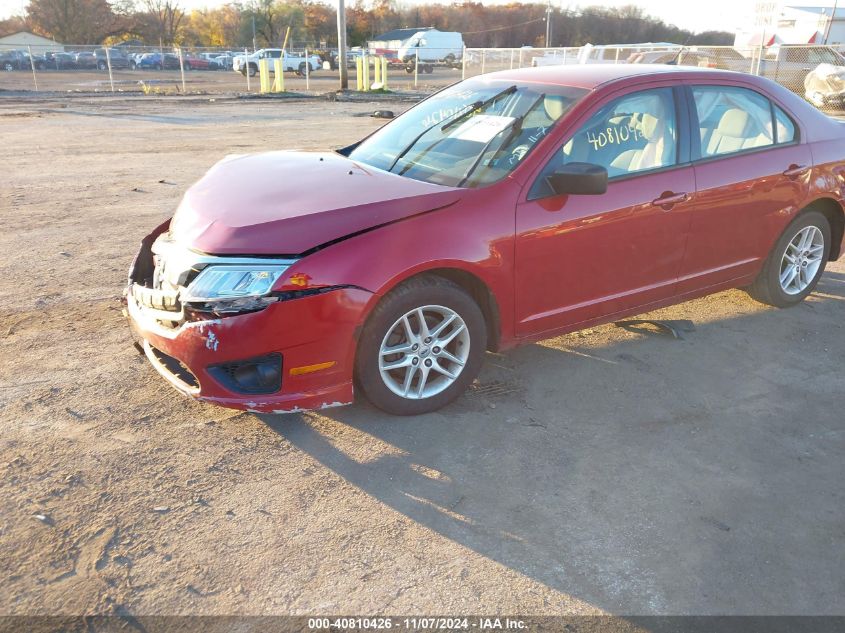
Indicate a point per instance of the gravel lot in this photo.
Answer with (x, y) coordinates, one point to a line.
(608, 471)
(204, 81)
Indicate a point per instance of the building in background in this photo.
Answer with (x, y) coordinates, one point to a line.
(794, 23)
(23, 39)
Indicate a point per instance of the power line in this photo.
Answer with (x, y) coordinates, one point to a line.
(504, 28)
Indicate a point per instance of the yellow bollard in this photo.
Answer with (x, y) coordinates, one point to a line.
(377, 71)
(278, 76)
(384, 73)
(366, 63)
(359, 74)
(264, 75)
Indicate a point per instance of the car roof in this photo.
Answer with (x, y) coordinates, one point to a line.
(593, 75)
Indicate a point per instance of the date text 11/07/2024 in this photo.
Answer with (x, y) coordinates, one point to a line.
(418, 624)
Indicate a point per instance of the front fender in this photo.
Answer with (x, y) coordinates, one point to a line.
(475, 235)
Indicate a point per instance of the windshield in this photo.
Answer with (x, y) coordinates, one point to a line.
(471, 134)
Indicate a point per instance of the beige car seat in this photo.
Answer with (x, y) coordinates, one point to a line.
(736, 131)
(653, 130)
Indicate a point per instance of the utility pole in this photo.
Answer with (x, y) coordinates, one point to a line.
(831, 21)
(548, 24)
(254, 47)
(341, 45)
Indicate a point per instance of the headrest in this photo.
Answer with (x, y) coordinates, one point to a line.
(733, 123)
(650, 127)
(554, 106)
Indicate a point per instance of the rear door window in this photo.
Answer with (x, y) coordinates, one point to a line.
(732, 120)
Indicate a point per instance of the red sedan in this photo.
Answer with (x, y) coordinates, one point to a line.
(507, 208)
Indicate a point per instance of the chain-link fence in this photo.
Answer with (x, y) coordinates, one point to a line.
(169, 70)
(814, 72)
(817, 73)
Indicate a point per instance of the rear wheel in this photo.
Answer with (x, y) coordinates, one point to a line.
(8, 67)
(421, 348)
(796, 262)
(102, 65)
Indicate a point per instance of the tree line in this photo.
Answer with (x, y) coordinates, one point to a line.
(313, 23)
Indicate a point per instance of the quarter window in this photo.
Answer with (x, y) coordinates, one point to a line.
(733, 120)
(635, 133)
(785, 127)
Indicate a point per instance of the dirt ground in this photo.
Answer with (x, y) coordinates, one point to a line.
(608, 471)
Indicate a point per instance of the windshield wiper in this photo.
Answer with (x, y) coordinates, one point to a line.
(515, 128)
(460, 114)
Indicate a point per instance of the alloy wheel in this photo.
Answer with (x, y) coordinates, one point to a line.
(801, 260)
(424, 352)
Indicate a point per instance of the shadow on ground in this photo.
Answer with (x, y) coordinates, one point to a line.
(606, 473)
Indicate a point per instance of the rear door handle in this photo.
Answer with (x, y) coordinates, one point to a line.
(796, 170)
(669, 199)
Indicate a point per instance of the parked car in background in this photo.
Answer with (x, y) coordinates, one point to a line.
(505, 209)
(290, 61)
(789, 65)
(15, 60)
(824, 87)
(723, 58)
(156, 61)
(59, 61)
(224, 61)
(114, 57)
(196, 62)
(85, 59)
(432, 46)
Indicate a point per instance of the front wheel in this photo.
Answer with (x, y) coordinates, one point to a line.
(102, 65)
(796, 263)
(422, 347)
(8, 67)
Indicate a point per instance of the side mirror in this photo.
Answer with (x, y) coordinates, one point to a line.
(583, 179)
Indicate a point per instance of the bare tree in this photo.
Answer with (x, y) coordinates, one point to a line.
(165, 17)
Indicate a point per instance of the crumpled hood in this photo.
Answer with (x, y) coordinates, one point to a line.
(285, 203)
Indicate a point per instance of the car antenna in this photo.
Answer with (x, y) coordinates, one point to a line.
(674, 61)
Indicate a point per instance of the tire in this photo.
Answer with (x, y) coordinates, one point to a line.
(102, 65)
(768, 288)
(132, 66)
(450, 59)
(302, 69)
(252, 70)
(428, 69)
(187, 67)
(8, 67)
(438, 298)
(157, 67)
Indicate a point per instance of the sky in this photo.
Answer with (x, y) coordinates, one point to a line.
(699, 16)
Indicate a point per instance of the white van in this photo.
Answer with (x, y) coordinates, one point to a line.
(432, 46)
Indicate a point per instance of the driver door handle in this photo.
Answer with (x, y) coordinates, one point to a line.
(669, 199)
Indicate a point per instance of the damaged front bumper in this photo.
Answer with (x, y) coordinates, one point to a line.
(294, 354)
(313, 338)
